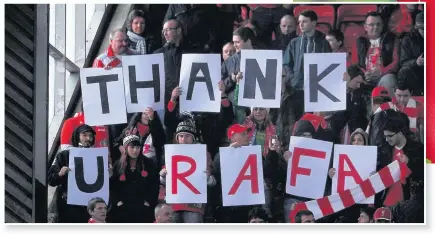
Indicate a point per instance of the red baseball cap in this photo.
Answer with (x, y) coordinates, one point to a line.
(236, 128)
(380, 91)
(382, 213)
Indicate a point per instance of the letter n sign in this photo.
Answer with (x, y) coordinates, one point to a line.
(325, 89)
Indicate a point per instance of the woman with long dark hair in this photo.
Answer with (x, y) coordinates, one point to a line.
(134, 185)
(148, 127)
(136, 31)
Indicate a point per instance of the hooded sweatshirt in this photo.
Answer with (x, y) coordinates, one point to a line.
(293, 60)
(361, 132)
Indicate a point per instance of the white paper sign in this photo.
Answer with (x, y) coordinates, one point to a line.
(351, 158)
(262, 75)
(242, 176)
(144, 82)
(308, 167)
(103, 96)
(199, 78)
(89, 175)
(186, 180)
(324, 87)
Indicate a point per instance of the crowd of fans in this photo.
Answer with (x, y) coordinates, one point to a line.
(385, 78)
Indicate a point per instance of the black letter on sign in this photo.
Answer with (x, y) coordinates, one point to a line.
(134, 85)
(80, 176)
(314, 83)
(103, 80)
(196, 67)
(267, 83)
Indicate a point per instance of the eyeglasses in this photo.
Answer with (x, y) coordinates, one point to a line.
(373, 25)
(390, 136)
(167, 29)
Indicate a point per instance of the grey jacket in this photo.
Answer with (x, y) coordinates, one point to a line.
(293, 60)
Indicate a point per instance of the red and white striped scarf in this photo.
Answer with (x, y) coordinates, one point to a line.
(383, 179)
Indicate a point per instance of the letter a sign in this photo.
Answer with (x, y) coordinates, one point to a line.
(242, 176)
(325, 89)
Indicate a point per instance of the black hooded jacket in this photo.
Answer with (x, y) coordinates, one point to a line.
(67, 213)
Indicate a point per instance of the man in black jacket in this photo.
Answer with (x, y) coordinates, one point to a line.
(172, 51)
(378, 53)
(199, 24)
(287, 33)
(83, 137)
(411, 54)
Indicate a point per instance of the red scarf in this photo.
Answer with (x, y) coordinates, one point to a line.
(395, 194)
(270, 131)
(143, 129)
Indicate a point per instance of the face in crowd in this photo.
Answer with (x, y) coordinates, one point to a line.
(364, 218)
(133, 151)
(228, 50)
(358, 139)
(138, 25)
(100, 211)
(392, 138)
(239, 44)
(287, 25)
(402, 96)
(164, 215)
(86, 139)
(373, 26)
(241, 138)
(259, 114)
(306, 24)
(119, 43)
(335, 45)
(171, 31)
(185, 138)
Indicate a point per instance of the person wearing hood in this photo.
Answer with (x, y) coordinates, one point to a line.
(311, 41)
(378, 53)
(275, 167)
(134, 185)
(82, 137)
(193, 212)
(411, 55)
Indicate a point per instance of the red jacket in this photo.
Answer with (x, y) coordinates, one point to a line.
(108, 58)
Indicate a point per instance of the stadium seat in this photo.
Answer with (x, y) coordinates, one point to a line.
(353, 13)
(351, 32)
(325, 14)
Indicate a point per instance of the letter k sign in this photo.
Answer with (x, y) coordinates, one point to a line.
(315, 79)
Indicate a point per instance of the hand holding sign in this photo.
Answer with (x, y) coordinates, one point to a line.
(163, 173)
(236, 77)
(403, 158)
(331, 173)
(150, 113)
(287, 155)
(176, 93)
(64, 171)
(221, 86)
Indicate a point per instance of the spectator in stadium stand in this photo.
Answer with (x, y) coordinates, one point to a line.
(336, 40)
(228, 50)
(412, 210)
(381, 101)
(414, 109)
(163, 213)
(275, 167)
(366, 215)
(82, 137)
(199, 22)
(147, 126)
(192, 212)
(101, 137)
(257, 215)
(139, 42)
(405, 149)
(412, 55)
(287, 33)
(378, 53)
(311, 41)
(172, 51)
(304, 216)
(238, 136)
(267, 18)
(355, 115)
(244, 39)
(210, 126)
(134, 185)
(111, 58)
(97, 209)
(383, 215)
(118, 47)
